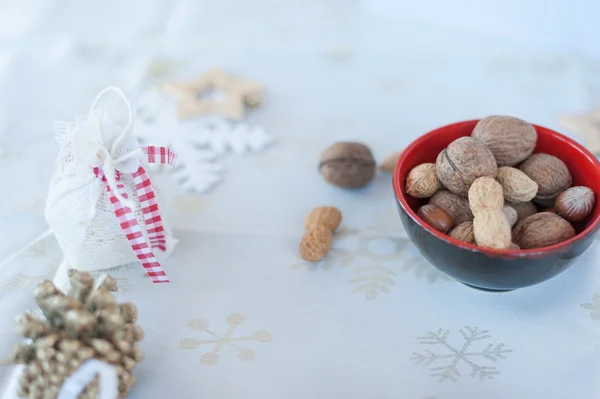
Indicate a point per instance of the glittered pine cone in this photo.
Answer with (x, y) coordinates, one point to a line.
(86, 323)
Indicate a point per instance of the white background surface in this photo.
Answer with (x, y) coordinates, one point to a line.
(377, 72)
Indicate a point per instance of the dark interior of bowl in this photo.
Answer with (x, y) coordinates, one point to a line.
(581, 164)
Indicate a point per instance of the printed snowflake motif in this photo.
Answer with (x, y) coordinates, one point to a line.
(219, 341)
(19, 282)
(198, 143)
(373, 280)
(376, 278)
(593, 307)
(455, 356)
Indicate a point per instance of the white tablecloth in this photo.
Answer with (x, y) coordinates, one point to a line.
(244, 317)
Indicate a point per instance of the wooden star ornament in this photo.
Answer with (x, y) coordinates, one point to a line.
(239, 94)
(587, 126)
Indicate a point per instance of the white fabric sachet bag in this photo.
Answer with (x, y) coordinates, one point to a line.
(101, 204)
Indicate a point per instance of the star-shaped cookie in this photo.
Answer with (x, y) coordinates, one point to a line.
(238, 94)
(587, 126)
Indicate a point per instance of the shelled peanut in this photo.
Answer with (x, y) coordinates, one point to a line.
(320, 224)
(497, 192)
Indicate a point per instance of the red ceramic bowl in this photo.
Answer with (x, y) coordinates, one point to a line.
(490, 269)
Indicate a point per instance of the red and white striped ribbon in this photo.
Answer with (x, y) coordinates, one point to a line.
(150, 212)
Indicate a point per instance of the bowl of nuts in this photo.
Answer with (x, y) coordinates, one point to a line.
(498, 203)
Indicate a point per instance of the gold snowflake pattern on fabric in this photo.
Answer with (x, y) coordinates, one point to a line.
(218, 342)
(445, 363)
(593, 307)
(19, 282)
(380, 276)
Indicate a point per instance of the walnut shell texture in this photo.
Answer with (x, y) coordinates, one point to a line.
(316, 243)
(348, 165)
(575, 203)
(516, 185)
(485, 192)
(457, 207)
(510, 139)
(524, 209)
(551, 175)
(327, 216)
(463, 161)
(491, 229)
(541, 230)
(464, 232)
(511, 215)
(422, 181)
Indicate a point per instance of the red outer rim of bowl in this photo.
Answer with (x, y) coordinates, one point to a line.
(560, 247)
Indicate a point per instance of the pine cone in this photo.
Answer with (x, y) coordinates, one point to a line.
(87, 323)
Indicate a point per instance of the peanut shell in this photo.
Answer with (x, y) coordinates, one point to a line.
(510, 139)
(485, 193)
(575, 203)
(541, 230)
(463, 161)
(457, 207)
(316, 243)
(551, 175)
(422, 181)
(491, 229)
(464, 232)
(327, 216)
(516, 185)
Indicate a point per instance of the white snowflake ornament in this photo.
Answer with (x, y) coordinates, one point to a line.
(198, 142)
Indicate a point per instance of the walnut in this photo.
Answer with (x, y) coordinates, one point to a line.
(485, 192)
(456, 206)
(463, 161)
(541, 230)
(464, 232)
(511, 140)
(524, 209)
(348, 165)
(491, 229)
(422, 181)
(551, 175)
(516, 185)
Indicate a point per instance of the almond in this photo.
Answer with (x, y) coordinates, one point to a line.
(516, 185)
(575, 203)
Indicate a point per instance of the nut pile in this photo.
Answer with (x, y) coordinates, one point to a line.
(320, 224)
(87, 323)
(491, 190)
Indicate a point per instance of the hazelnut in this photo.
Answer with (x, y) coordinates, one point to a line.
(436, 217)
(511, 215)
(575, 203)
(422, 181)
(524, 209)
(347, 165)
(511, 140)
(541, 230)
(463, 161)
(516, 185)
(551, 175)
(491, 229)
(457, 207)
(485, 192)
(464, 232)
